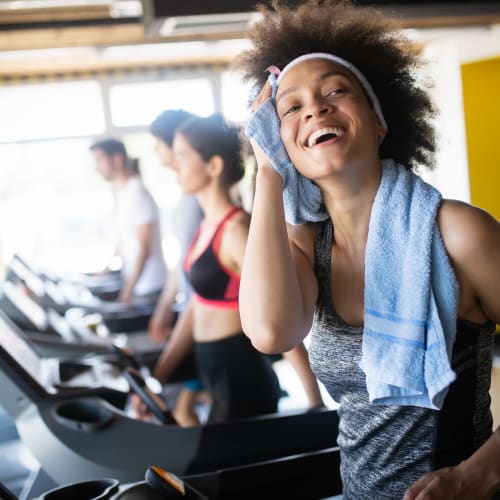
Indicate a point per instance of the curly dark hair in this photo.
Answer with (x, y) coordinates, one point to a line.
(213, 136)
(369, 40)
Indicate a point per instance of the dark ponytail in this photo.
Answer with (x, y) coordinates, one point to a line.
(213, 136)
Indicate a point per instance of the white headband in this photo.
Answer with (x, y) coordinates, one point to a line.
(346, 64)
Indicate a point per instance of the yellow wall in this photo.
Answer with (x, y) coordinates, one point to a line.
(481, 90)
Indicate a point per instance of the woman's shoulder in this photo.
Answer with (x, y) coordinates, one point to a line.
(471, 237)
(241, 218)
(465, 228)
(237, 225)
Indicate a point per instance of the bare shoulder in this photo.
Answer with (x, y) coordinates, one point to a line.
(466, 229)
(234, 237)
(472, 239)
(238, 225)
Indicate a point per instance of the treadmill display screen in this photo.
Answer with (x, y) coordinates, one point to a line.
(28, 307)
(19, 350)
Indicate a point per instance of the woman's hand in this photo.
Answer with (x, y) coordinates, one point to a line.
(140, 410)
(264, 93)
(260, 157)
(126, 295)
(450, 483)
(160, 325)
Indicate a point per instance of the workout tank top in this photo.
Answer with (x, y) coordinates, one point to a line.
(386, 448)
(213, 283)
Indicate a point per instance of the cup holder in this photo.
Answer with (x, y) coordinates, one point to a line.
(84, 414)
(99, 489)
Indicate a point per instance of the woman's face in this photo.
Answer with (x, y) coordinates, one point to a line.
(327, 122)
(192, 174)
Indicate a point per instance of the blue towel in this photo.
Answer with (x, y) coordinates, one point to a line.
(302, 199)
(410, 295)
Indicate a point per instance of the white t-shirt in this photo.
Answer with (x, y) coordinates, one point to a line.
(134, 207)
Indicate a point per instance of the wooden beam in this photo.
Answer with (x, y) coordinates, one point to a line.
(133, 33)
(121, 34)
(54, 14)
(417, 22)
(97, 36)
(88, 65)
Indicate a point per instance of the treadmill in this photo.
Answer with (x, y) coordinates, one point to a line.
(81, 433)
(308, 476)
(76, 333)
(60, 295)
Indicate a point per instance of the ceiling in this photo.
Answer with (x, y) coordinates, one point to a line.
(32, 30)
(27, 24)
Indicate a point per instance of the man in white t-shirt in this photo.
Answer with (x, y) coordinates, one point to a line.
(137, 222)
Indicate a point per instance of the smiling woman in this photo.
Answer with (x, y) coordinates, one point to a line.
(397, 285)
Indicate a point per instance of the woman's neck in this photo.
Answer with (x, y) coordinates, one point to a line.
(349, 199)
(215, 203)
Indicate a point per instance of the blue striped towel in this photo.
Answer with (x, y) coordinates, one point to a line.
(302, 199)
(410, 295)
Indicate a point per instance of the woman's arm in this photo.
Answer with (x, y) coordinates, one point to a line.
(278, 289)
(472, 240)
(177, 347)
(299, 359)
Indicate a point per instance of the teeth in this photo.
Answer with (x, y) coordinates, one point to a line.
(313, 138)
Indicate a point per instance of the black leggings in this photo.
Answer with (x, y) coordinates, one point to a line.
(240, 380)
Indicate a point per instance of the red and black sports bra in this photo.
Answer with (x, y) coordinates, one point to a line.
(213, 283)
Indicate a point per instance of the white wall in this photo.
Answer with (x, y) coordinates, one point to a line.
(451, 175)
(446, 50)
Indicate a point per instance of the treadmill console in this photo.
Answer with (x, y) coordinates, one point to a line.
(19, 350)
(50, 375)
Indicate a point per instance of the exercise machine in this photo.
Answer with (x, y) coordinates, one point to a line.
(81, 433)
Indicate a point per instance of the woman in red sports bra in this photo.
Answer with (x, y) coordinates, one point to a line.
(239, 379)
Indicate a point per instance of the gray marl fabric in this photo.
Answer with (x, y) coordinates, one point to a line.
(384, 449)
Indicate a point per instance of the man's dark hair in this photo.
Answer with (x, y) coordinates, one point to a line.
(165, 124)
(110, 147)
(370, 41)
(113, 146)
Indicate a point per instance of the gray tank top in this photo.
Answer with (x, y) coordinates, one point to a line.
(386, 448)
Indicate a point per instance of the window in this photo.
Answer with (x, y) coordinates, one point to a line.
(235, 95)
(53, 202)
(55, 209)
(40, 111)
(135, 104)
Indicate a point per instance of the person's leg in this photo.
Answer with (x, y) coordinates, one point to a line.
(184, 411)
(240, 380)
(251, 383)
